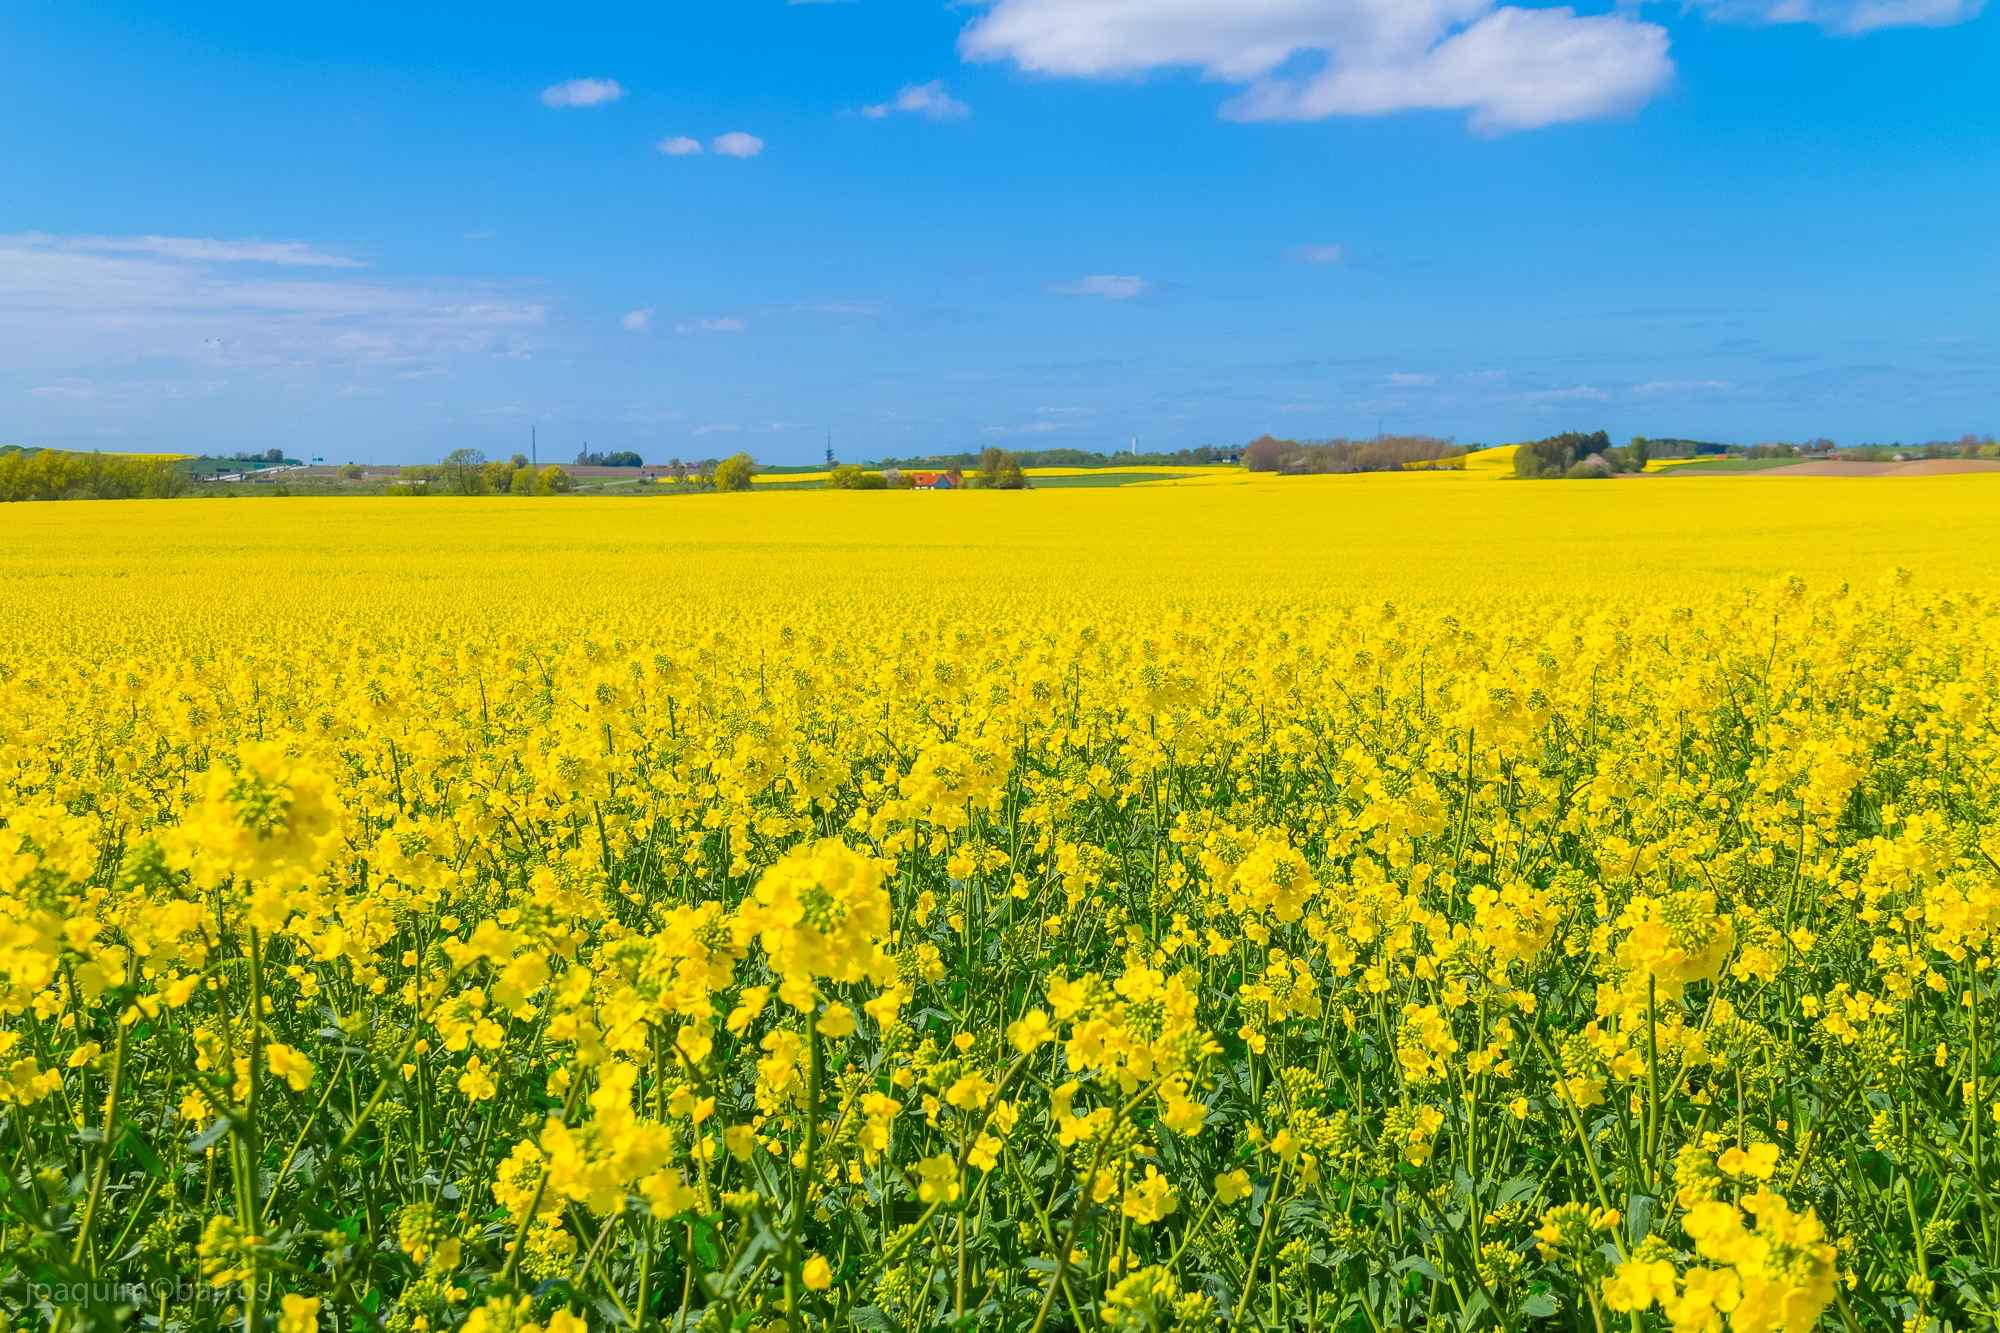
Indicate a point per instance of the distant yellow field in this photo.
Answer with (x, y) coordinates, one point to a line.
(158, 570)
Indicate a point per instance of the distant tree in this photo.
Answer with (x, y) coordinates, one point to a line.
(1639, 453)
(1593, 467)
(1381, 453)
(1001, 471)
(894, 479)
(352, 472)
(274, 455)
(53, 474)
(522, 482)
(854, 477)
(734, 472)
(1267, 454)
(1556, 455)
(519, 461)
(464, 472)
(552, 480)
(496, 478)
(622, 458)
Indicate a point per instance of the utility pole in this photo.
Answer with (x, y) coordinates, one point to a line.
(534, 453)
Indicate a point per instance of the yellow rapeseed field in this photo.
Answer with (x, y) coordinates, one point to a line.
(1351, 904)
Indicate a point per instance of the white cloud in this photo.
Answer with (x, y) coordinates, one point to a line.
(204, 249)
(1847, 17)
(679, 145)
(715, 430)
(1412, 380)
(1511, 68)
(1316, 254)
(926, 99)
(638, 320)
(711, 326)
(1109, 285)
(738, 144)
(73, 302)
(1681, 386)
(582, 92)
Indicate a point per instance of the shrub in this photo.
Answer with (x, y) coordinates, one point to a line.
(552, 480)
(1587, 469)
(734, 472)
(352, 472)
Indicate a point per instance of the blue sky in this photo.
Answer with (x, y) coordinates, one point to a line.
(375, 232)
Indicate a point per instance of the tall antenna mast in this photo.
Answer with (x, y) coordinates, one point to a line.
(534, 452)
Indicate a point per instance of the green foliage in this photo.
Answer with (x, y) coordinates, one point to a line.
(620, 458)
(464, 472)
(734, 472)
(854, 477)
(55, 474)
(1556, 455)
(1001, 471)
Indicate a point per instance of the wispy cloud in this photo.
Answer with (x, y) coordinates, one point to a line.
(1111, 286)
(582, 92)
(1316, 254)
(738, 144)
(716, 430)
(924, 99)
(1068, 411)
(841, 308)
(72, 302)
(679, 145)
(724, 325)
(1032, 428)
(1582, 393)
(1849, 18)
(1408, 380)
(297, 254)
(638, 320)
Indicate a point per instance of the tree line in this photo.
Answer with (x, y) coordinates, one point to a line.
(57, 474)
(1384, 453)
